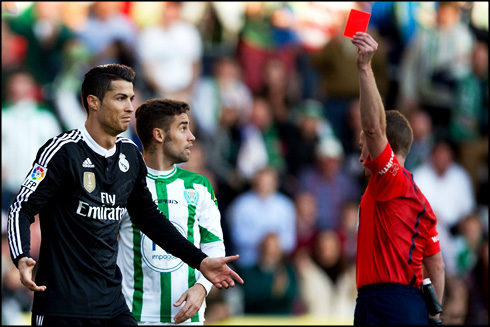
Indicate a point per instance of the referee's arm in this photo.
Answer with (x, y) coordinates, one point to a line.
(434, 269)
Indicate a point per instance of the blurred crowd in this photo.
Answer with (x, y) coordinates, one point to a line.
(274, 96)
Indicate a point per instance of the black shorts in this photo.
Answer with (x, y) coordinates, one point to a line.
(390, 304)
(125, 318)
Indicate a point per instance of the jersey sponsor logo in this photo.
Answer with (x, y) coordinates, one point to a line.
(435, 239)
(167, 201)
(107, 198)
(89, 181)
(88, 164)
(158, 259)
(101, 213)
(123, 163)
(35, 177)
(389, 165)
(191, 196)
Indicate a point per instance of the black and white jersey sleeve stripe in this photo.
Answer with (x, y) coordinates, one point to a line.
(39, 186)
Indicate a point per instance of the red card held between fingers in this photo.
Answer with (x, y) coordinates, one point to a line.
(356, 22)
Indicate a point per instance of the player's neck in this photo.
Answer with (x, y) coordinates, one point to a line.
(157, 161)
(100, 136)
(401, 160)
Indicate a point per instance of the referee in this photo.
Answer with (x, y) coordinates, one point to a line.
(397, 235)
(80, 184)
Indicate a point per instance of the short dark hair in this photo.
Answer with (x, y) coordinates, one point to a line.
(156, 113)
(97, 81)
(398, 132)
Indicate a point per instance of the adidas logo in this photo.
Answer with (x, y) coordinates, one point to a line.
(88, 164)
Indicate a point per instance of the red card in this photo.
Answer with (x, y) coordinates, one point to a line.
(356, 22)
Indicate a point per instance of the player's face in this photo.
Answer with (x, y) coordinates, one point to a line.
(364, 153)
(116, 109)
(178, 141)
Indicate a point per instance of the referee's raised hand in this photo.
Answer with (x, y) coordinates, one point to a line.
(366, 47)
(217, 271)
(26, 265)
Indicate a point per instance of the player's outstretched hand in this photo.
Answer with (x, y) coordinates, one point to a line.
(217, 271)
(193, 298)
(26, 265)
(366, 47)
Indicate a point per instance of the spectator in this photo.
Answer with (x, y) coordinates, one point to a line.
(423, 139)
(396, 23)
(47, 38)
(309, 127)
(331, 186)
(348, 231)
(223, 147)
(469, 237)
(268, 33)
(432, 64)
(14, 47)
(306, 222)
(469, 118)
(456, 299)
(171, 55)
(259, 211)
(316, 24)
(477, 282)
(327, 280)
(339, 78)
(25, 121)
(272, 281)
(261, 143)
(198, 163)
(280, 89)
(448, 189)
(109, 35)
(224, 88)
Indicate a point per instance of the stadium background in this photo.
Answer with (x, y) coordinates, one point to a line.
(266, 80)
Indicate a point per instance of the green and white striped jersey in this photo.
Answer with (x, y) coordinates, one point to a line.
(153, 280)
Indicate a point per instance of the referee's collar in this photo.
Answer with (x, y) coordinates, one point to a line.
(94, 146)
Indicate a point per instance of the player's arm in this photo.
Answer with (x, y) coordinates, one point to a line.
(41, 183)
(373, 118)
(193, 298)
(211, 235)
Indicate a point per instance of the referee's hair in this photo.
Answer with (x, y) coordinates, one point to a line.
(157, 113)
(97, 81)
(398, 132)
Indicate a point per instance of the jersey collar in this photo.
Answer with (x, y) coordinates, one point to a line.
(161, 174)
(94, 146)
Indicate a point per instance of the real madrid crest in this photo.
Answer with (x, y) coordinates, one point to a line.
(89, 181)
(123, 163)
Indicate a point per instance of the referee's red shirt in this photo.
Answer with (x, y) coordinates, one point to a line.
(397, 227)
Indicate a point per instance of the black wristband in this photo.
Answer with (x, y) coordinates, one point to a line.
(435, 321)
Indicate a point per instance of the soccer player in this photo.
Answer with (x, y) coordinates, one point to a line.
(80, 184)
(156, 284)
(397, 234)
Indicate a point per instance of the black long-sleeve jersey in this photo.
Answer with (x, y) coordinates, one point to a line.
(80, 191)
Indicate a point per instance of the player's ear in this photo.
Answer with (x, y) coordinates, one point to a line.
(158, 135)
(93, 102)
